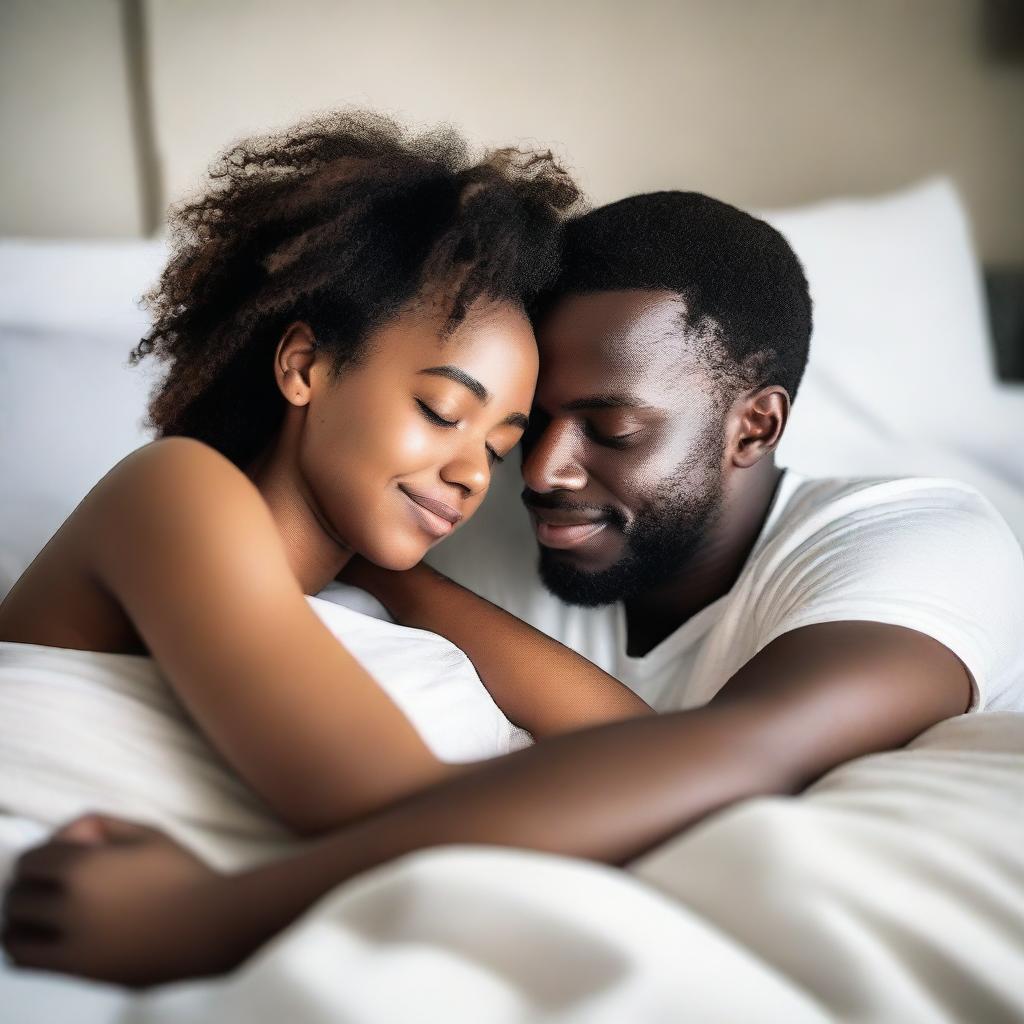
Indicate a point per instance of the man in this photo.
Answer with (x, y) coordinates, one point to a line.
(784, 625)
(674, 552)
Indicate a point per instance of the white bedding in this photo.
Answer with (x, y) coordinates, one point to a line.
(893, 890)
(86, 731)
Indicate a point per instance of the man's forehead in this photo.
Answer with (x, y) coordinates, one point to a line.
(615, 342)
(611, 318)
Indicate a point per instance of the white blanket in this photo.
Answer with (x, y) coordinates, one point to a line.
(81, 731)
(893, 890)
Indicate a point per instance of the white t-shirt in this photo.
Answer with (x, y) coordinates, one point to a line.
(931, 555)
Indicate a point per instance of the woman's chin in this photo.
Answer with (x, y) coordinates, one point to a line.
(398, 546)
(397, 557)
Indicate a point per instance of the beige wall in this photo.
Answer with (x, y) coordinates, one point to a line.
(761, 102)
(67, 164)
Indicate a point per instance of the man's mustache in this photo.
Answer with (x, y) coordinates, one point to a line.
(557, 502)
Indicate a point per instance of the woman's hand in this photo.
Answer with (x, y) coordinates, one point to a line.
(120, 902)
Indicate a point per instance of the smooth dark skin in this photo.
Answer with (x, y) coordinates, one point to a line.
(814, 698)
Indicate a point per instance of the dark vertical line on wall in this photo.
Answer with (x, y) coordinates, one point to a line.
(140, 106)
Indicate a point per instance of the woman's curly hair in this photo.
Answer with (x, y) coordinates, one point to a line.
(342, 222)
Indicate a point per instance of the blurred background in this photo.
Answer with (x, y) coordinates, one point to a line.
(110, 109)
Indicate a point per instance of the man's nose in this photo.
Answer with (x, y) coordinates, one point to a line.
(553, 462)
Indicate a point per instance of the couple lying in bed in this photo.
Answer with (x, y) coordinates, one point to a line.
(358, 328)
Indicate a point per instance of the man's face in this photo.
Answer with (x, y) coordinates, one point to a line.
(623, 461)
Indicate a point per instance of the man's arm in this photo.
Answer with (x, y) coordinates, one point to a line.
(812, 699)
(539, 684)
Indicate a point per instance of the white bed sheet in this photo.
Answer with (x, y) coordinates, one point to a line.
(892, 891)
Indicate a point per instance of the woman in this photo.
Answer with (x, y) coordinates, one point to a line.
(344, 322)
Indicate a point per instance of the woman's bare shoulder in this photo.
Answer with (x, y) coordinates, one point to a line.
(175, 498)
(178, 487)
(169, 507)
(177, 459)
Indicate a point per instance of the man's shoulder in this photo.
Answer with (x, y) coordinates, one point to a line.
(885, 489)
(828, 528)
(833, 503)
(926, 553)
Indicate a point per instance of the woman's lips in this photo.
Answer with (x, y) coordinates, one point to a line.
(434, 524)
(567, 536)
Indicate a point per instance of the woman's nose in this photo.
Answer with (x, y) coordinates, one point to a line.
(552, 463)
(469, 469)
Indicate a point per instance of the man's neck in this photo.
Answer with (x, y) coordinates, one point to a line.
(714, 568)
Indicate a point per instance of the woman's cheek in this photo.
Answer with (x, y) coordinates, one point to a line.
(414, 443)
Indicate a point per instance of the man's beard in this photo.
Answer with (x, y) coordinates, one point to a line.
(662, 540)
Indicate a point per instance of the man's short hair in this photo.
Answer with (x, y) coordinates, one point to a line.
(745, 294)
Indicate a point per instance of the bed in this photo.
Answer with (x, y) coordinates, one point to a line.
(891, 890)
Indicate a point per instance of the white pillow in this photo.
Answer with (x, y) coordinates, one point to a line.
(901, 339)
(88, 286)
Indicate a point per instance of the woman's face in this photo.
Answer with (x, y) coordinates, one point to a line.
(397, 451)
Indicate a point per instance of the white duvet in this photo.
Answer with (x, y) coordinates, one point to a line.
(892, 890)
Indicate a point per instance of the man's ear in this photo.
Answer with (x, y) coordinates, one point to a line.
(293, 358)
(758, 421)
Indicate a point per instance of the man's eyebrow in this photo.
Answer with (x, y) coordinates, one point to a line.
(457, 375)
(606, 401)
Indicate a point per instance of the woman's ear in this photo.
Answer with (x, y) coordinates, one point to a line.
(759, 420)
(293, 358)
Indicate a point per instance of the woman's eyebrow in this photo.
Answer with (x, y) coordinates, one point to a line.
(514, 419)
(457, 375)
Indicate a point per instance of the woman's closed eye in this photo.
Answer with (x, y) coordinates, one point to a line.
(440, 421)
(433, 416)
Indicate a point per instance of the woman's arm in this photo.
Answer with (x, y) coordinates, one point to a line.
(187, 546)
(540, 685)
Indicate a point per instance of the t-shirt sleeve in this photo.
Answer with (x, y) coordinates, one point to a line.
(930, 557)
